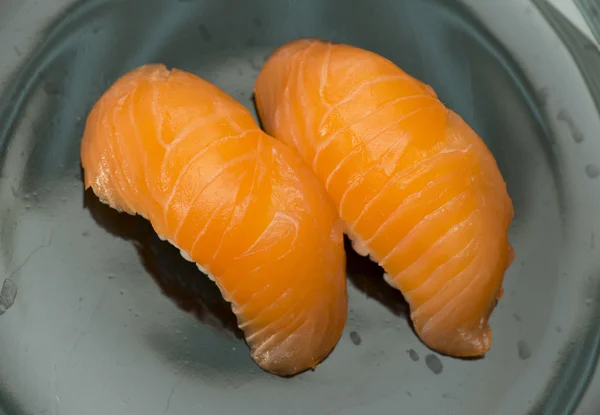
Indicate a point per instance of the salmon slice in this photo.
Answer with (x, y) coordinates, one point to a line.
(418, 190)
(178, 151)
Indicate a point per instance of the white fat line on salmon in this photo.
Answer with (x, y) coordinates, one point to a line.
(356, 90)
(183, 133)
(158, 116)
(330, 136)
(196, 157)
(141, 149)
(403, 175)
(325, 75)
(414, 231)
(378, 134)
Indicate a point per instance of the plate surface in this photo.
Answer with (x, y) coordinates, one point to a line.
(100, 317)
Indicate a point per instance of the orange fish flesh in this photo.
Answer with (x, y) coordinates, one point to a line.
(173, 148)
(418, 190)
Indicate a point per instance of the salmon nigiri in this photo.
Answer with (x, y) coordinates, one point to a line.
(418, 190)
(178, 151)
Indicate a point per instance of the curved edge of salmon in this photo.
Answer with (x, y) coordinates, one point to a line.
(443, 322)
(175, 149)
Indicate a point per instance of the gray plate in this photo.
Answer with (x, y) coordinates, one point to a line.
(103, 318)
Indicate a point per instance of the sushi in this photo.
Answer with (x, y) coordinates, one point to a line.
(175, 149)
(417, 188)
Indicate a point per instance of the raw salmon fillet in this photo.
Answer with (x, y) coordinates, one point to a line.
(178, 151)
(416, 187)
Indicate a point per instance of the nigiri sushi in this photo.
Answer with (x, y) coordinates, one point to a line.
(417, 188)
(175, 149)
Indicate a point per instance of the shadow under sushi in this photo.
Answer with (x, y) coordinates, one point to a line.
(367, 276)
(180, 280)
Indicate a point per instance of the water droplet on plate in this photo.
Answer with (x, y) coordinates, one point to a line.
(355, 338)
(523, 350)
(592, 171)
(434, 364)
